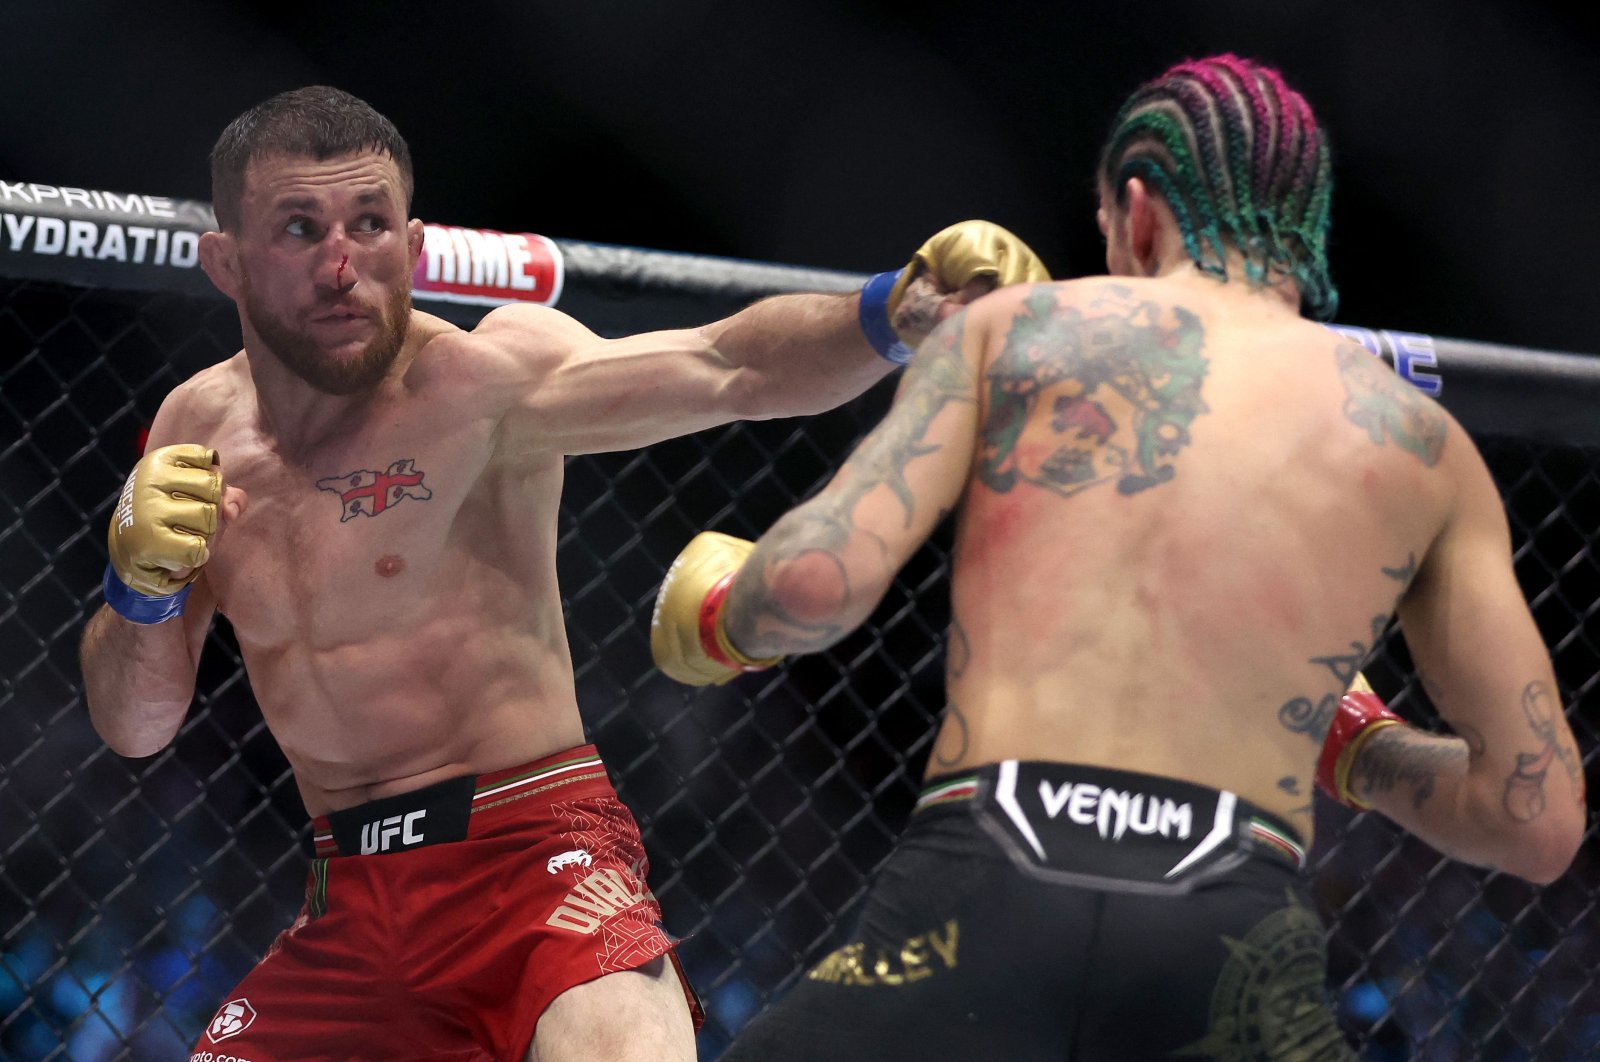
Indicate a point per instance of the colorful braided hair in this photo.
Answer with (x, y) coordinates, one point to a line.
(1238, 156)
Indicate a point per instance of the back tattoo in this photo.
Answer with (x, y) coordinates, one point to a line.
(1123, 381)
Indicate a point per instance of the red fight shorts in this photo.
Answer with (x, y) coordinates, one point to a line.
(442, 922)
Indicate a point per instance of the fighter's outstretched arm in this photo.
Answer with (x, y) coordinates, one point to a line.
(789, 355)
(578, 393)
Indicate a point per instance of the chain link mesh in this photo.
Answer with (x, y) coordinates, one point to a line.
(134, 893)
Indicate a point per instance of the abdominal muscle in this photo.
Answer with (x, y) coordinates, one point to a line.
(392, 713)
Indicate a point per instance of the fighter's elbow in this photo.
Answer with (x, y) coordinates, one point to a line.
(812, 589)
(1544, 850)
(134, 750)
(1559, 850)
(820, 598)
(123, 744)
(133, 740)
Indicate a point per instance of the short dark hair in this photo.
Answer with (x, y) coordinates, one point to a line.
(1240, 158)
(316, 122)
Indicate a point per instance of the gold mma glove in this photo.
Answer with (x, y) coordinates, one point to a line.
(956, 256)
(687, 639)
(164, 521)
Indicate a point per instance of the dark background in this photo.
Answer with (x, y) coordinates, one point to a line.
(840, 133)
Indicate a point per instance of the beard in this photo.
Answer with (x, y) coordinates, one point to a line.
(304, 356)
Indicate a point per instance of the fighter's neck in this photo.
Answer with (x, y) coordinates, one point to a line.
(301, 420)
(1280, 295)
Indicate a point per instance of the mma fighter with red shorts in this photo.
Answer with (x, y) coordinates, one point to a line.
(384, 545)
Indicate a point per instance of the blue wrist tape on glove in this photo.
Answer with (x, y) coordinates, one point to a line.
(130, 604)
(875, 318)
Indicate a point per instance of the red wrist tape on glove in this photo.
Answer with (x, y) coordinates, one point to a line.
(1360, 715)
(716, 643)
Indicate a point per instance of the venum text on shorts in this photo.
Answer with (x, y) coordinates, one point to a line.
(1113, 812)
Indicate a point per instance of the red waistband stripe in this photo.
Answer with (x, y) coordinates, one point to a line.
(945, 792)
(1264, 831)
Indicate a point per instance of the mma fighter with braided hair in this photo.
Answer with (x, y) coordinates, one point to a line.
(385, 547)
(1185, 513)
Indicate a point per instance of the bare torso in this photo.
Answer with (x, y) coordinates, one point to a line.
(1200, 627)
(392, 586)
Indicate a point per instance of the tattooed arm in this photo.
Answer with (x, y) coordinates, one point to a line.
(821, 569)
(1509, 792)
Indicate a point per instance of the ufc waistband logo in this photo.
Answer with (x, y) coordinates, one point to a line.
(380, 836)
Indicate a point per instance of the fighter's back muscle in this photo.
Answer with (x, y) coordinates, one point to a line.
(1176, 511)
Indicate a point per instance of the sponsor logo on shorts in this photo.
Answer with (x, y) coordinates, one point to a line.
(233, 1018)
(380, 836)
(575, 858)
(603, 893)
(1115, 811)
(916, 958)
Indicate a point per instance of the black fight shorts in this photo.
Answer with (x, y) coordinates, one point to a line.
(1041, 911)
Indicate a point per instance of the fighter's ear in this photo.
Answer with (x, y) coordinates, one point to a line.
(1142, 218)
(415, 235)
(1153, 230)
(219, 257)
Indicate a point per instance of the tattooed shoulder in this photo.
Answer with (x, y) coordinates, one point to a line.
(1387, 408)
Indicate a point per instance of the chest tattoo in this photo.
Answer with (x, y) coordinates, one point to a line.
(368, 493)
